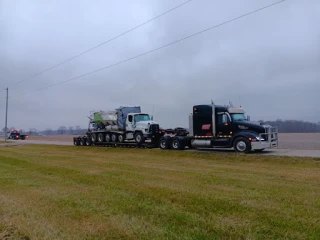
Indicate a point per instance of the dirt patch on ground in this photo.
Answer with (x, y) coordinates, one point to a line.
(299, 140)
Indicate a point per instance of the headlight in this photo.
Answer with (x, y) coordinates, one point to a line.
(260, 139)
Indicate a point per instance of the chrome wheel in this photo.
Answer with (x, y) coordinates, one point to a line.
(163, 144)
(175, 144)
(241, 146)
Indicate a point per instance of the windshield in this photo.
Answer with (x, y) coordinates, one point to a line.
(141, 117)
(238, 117)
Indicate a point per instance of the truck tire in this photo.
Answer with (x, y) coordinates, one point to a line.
(121, 138)
(114, 137)
(165, 142)
(93, 137)
(88, 142)
(242, 145)
(82, 142)
(177, 143)
(108, 137)
(100, 137)
(189, 144)
(139, 138)
(75, 142)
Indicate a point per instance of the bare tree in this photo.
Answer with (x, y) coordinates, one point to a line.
(77, 129)
(62, 130)
(48, 131)
(33, 132)
(71, 130)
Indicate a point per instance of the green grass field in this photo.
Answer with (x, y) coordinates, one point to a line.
(61, 192)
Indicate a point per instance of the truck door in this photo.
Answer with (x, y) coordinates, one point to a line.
(130, 123)
(223, 137)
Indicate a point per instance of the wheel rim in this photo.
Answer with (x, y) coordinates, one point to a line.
(108, 138)
(138, 138)
(120, 138)
(100, 138)
(163, 144)
(93, 138)
(175, 144)
(113, 138)
(241, 146)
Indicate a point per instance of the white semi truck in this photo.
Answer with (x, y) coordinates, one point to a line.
(120, 125)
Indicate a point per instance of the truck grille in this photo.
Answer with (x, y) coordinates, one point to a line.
(154, 128)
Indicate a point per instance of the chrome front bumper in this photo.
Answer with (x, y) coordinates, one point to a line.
(272, 139)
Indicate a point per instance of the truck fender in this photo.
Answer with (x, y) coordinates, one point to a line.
(244, 134)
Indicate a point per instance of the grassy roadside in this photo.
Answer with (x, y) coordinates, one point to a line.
(8, 141)
(60, 192)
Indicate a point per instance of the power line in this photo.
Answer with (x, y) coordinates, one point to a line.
(153, 50)
(105, 42)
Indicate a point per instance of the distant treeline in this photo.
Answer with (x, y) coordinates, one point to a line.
(294, 126)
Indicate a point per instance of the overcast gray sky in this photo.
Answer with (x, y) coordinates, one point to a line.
(268, 62)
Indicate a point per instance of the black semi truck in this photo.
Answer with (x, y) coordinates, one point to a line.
(210, 126)
(214, 126)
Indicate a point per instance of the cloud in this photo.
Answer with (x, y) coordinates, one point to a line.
(267, 62)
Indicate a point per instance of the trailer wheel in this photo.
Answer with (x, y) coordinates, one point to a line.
(139, 138)
(100, 137)
(82, 142)
(242, 145)
(93, 137)
(177, 144)
(108, 138)
(75, 142)
(165, 142)
(88, 142)
(114, 137)
(121, 138)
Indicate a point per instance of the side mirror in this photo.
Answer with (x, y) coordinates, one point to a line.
(151, 117)
(248, 118)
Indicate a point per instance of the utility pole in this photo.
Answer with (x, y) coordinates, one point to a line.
(6, 123)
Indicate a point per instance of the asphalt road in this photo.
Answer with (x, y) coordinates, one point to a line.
(276, 151)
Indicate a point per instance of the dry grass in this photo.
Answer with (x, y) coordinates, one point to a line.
(57, 192)
(6, 142)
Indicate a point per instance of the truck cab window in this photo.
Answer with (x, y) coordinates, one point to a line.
(238, 117)
(222, 118)
(141, 117)
(225, 118)
(130, 118)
